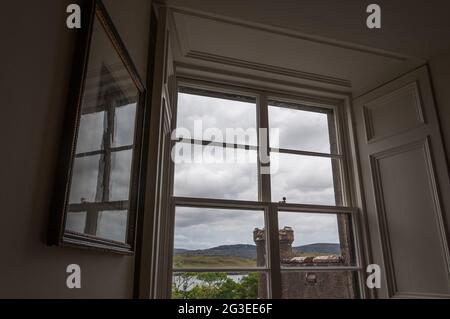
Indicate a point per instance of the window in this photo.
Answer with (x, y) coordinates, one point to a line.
(99, 175)
(259, 199)
(100, 186)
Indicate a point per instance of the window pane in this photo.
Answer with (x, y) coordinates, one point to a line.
(90, 132)
(84, 180)
(215, 172)
(219, 285)
(120, 175)
(305, 179)
(124, 125)
(216, 119)
(299, 129)
(76, 221)
(207, 238)
(319, 285)
(112, 225)
(312, 239)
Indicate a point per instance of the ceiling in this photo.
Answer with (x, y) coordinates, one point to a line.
(311, 41)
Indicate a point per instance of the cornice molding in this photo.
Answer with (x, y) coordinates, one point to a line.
(289, 33)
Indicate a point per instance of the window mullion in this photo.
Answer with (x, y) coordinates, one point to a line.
(263, 149)
(265, 196)
(273, 252)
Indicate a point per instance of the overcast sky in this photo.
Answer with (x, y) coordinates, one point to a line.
(111, 224)
(301, 179)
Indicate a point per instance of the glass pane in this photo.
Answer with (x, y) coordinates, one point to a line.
(84, 186)
(76, 221)
(319, 285)
(219, 285)
(107, 120)
(215, 172)
(120, 175)
(207, 238)
(312, 239)
(216, 119)
(299, 129)
(305, 179)
(112, 225)
(124, 128)
(90, 132)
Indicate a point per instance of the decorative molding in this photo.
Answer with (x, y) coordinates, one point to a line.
(186, 51)
(411, 88)
(424, 145)
(182, 41)
(288, 33)
(266, 68)
(253, 82)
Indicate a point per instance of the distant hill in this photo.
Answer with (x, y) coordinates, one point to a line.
(249, 251)
(322, 248)
(241, 250)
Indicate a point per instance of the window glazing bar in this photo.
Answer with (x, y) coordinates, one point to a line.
(306, 153)
(214, 143)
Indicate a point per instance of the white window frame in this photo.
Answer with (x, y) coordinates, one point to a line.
(339, 103)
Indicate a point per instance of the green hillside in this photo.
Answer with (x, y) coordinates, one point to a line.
(199, 261)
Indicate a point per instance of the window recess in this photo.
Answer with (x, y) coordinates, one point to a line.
(272, 229)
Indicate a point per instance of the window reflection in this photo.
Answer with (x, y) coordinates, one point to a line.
(124, 129)
(90, 132)
(84, 179)
(112, 225)
(120, 175)
(76, 221)
(101, 174)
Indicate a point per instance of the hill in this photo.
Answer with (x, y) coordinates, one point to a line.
(249, 251)
(320, 248)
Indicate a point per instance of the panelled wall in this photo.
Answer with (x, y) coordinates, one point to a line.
(36, 57)
(440, 75)
(406, 186)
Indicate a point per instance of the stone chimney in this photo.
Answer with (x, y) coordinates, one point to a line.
(259, 237)
(285, 236)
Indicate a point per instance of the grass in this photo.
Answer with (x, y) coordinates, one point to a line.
(202, 261)
(191, 261)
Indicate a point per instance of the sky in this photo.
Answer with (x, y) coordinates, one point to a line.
(210, 174)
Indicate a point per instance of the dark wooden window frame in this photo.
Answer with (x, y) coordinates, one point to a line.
(58, 235)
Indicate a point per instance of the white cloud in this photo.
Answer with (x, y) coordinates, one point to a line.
(302, 179)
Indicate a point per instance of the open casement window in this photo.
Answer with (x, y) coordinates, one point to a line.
(260, 202)
(152, 264)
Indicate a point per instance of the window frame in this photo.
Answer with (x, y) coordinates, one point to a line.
(271, 209)
(57, 232)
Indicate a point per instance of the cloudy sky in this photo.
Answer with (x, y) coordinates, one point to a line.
(111, 224)
(301, 179)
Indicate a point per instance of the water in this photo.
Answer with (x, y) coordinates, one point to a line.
(178, 280)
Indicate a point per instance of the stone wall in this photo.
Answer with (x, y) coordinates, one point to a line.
(304, 284)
